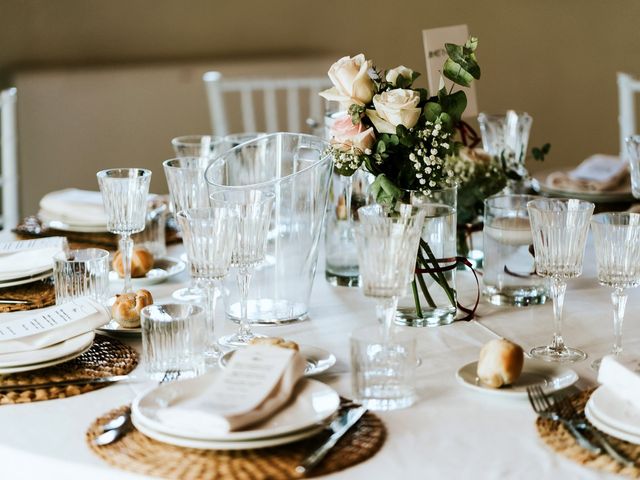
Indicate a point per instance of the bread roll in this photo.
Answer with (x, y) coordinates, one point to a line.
(126, 309)
(141, 262)
(276, 342)
(500, 363)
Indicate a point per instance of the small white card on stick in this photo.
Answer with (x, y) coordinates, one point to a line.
(435, 53)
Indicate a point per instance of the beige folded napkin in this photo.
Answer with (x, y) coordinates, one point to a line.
(34, 329)
(257, 382)
(75, 207)
(29, 257)
(598, 173)
(621, 375)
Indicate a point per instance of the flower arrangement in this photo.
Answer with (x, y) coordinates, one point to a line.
(399, 133)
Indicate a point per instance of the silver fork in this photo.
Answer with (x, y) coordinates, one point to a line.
(117, 427)
(544, 408)
(568, 410)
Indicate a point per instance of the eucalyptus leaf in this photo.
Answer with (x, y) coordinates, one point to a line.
(454, 104)
(384, 191)
(456, 73)
(432, 110)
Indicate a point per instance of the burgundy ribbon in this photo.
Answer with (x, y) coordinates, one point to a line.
(468, 135)
(452, 263)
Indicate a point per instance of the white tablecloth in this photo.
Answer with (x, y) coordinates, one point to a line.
(452, 432)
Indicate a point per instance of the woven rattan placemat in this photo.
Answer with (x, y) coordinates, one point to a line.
(32, 227)
(107, 356)
(140, 454)
(41, 294)
(556, 436)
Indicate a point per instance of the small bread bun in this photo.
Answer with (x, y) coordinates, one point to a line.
(126, 309)
(500, 363)
(141, 262)
(276, 342)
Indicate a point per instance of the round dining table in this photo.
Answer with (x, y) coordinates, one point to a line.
(451, 432)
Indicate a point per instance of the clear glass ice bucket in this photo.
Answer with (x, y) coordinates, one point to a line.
(296, 168)
(509, 265)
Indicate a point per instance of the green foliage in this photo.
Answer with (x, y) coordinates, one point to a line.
(462, 66)
(355, 112)
(540, 152)
(384, 191)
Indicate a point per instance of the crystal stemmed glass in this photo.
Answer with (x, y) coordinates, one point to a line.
(633, 153)
(124, 193)
(253, 208)
(617, 241)
(187, 189)
(559, 228)
(209, 239)
(195, 145)
(387, 241)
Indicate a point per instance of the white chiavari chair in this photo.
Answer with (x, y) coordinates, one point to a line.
(628, 87)
(248, 89)
(9, 158)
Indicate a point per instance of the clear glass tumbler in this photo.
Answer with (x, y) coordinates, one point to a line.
(383, 368)
(510, 276)
(617, 241)
(173, 338)
(633, 154)
(81, 273)
(559, 228)
(195, 145)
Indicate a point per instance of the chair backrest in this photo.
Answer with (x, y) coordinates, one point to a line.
(628, 87)
(219, 91)
(9, 158)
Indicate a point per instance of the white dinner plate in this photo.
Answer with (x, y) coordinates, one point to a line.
(163, 268)
(115, 327)
(27, 279)
(603, 426)
(615, 411)
(52, 352)
(55, 361)
(534, 372)
(221, 445)
(313, 404)
(622, 194)
(318, 360)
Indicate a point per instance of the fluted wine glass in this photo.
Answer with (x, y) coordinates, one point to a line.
(617, 241)
(124, 193)
(253, 209)
(209, 237)
(387, 240)
(559, 228)
(204, 146)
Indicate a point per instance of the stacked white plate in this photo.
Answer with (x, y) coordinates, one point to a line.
(306, 415)
(613, 415)
(47, 356)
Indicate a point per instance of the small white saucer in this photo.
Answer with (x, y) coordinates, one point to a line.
(115, 327)
(163, 268)
(550, 376)
(318, 360)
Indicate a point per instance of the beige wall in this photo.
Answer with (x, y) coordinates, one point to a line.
(556, 59)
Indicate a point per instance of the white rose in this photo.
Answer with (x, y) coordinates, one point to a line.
(393, 108)
(351, 80)
(401, 71)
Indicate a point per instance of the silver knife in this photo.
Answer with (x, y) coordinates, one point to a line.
(340, 426)
(64, 383)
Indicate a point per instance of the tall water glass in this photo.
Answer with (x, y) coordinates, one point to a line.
(81, 273)
(173, 338)
(507, 137)
(559, 228)
(509, 266)
(253, 210)
(210, 236)
(387, 242)
(124, 193)
(195, 145)
(617, 239)
(633, 153)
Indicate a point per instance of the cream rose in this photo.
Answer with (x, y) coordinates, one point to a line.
(351, 80)
(400, 71)
(393, 108)
(344, 135)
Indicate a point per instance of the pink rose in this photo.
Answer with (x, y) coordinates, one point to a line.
(344, 135)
